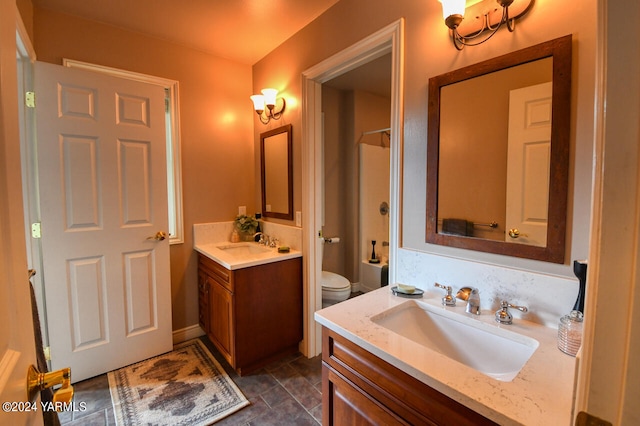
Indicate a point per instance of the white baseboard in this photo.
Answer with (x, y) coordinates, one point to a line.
(187, 333)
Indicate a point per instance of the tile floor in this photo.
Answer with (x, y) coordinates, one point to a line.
(286, 392)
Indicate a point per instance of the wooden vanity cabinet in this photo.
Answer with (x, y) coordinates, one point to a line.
(358, 388)
(252, 315)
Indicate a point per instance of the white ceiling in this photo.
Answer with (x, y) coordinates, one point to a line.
(240, 30)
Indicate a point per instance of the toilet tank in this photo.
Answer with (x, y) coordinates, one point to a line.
(371, 275)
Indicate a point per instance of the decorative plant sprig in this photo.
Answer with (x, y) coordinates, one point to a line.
(246, 224)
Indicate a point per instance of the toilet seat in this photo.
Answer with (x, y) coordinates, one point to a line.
(333, 282)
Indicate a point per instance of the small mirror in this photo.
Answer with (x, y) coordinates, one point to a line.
(276, 163)
(498, 154)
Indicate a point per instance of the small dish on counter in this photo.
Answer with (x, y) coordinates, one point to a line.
(400, 292)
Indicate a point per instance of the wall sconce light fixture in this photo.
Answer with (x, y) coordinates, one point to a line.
(453, 12)
(274, 105)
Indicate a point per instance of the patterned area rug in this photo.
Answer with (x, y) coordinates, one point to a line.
(184, 387)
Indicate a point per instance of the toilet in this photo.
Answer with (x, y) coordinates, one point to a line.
(335, 288)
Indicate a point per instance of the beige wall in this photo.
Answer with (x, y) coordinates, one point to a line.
(429, 52)
(336, 105)
(215, 118)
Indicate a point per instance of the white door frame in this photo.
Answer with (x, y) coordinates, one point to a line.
(17, 348)
(607, 376)
(29, 167)
(387, 40)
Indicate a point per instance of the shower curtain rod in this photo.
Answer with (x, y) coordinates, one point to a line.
(388, 129)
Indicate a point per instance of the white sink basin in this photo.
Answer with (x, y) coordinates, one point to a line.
(487, 348)
(244, 249)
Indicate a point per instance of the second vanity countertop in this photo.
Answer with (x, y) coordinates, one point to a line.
(541, 393)
(226, 255)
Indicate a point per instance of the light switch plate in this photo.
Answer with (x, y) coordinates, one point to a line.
(242, 210)
(299, 219)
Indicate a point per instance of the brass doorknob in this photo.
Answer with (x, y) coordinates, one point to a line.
(515, 233)
(37, 381)
(160, 236)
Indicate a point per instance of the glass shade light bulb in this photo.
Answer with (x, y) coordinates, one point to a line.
(270, 97)
(258, 103)
(453, 7)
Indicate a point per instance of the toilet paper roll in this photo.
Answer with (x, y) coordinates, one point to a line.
(332, 240)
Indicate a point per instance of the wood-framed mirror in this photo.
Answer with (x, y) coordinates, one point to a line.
(276, 170)
(498, 154)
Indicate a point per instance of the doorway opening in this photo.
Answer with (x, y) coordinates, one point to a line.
(387, 41)
(356, 162)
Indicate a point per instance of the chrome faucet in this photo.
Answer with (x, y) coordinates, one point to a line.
(263, 237)
(472, 296)
(503, 316)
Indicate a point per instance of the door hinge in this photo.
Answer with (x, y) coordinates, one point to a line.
(47, 353)
(35, 230)
(30, 99)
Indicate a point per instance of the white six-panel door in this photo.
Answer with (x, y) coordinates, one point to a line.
(102, 179)
(529, 155)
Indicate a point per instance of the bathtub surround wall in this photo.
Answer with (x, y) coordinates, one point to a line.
(374, 190)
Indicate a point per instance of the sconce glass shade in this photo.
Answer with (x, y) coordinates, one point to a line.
(258, 103)
(274, 106)
(270, 96)
(453, 12)
(453, 7)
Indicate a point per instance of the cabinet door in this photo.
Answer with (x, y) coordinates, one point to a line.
(385, 386)
(345, 404)
(204, 314)
(222, 324)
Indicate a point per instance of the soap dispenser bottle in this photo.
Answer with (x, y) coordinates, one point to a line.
(257, 236)
(570, 327)
(580, 271)
(570, 333)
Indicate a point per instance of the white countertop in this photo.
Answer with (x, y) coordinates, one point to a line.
(230, 261)
(541, 393)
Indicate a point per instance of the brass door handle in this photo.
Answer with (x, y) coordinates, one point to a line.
(160, 236)
(37, 381)
(515, 233)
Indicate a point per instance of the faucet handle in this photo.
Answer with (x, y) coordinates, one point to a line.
(448, 299)
(503, 316)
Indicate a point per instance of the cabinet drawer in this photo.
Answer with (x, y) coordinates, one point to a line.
(401, 393)
(219, 273)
